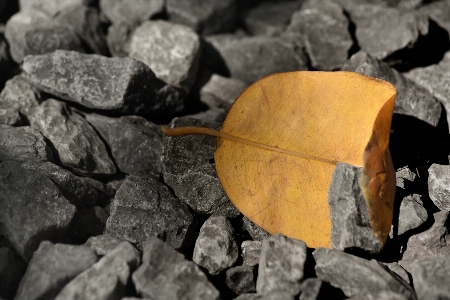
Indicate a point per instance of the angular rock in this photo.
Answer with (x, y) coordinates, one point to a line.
(397, 269)
(221, 91)
(87, 222)
(103, 244)
(281, 265)
(349, 212)
(412, 214)
(403, 174)
(12, 269)
(323, 29)
(439, 11)
(106, 279)
(273, 295)
(256, 232)
(439, 186)
(204, 16)
(172, 51)
(145, 207)
(135, 143)
(251, 250)
(77, 145)
(215, 248)
(51, 267)
(240, 280)
(357, 276)
(165, 274)
(188, 170)
(118, 37)
(136, 11)
(118, 84)
(19, 94)
(411, 99)
(310, 289)
(381, 295)
(212, 115)
(431, 276)
(430, 243)
(49, 7)
(23, 144)
(10, 117)
(33, 209)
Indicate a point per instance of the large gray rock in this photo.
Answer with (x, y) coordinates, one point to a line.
(411, 99)
(323, 29)
(188, 170)
(118, 84)
(357, 276)
(412, 214)
(204, 16)
(349, 212)
(281, 265)
(221, 91)
(165, 274)
(131, 11)
(12, 269)
(215, 248)
(256, 232)
(135, 143)
(19, 94)
(77, 145)
(103, 244)
(439, 186)
(431, 276)
(33, 209)
(106, 279)
(49, 7)
(51, 267)
(251, 250)
(145, 207)
(430, 243)
(172, 51)
(240, 279)
(273, 295)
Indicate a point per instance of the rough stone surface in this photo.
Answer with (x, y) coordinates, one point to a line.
(397, 269)
(165, 274)
(107, 278)
(135, 143)
(281, 265)
(145, 207)
(10, 117)
(221, 91)
(215, 248)
(19, 94)
(273, 295)
(77, 145)
(355, 275)
(212, 115)
(204, 16)
(412, 213)
(118, 37)
(188, 171)
(240, 280)
(251, 250)
(403, 174)
(51, 267)
(26, 223)
(349, 212)
(431, 276)
(23, 144)
(256, 232)
(430, 243)
(323, 29)
(87, 222)
(381, 295)
(103, 244)
(439, 186)
(310, 289)
(49, 7)
(131, 11)
(411, 99)
(118, 84)
(439, 11)
(172, 51)
(12, 269)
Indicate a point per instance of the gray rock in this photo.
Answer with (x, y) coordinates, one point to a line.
(439, 11)
(251, 250)
(118, 84)
(412, 214)
(118, 37)
(382, 295)
(411, 99)
(273, 295)
(356, 276)
(403, 174)
(103, 244)
(106, 279)
(204, 16)
(439, 186)
(145, 207)
(87, 222)
(171, 50)
(23, 144)
(349, 212)
(323, 29)
(432, 242)
(12, 269)
(51, 267)
(221, 91)
(251, 58)
(281, 265)
(215, 248)
(212, 115)
(135, 143)
(431, 276)
(26, 223)
(256, 232)
(131, 11)
(397, 269)
(188, 171)
(49, 7)
(310, 289)
(77, 145)
(165, 274)
(10, 117)
(240, 279)
(19, 94)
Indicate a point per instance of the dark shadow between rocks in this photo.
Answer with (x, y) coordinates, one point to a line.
(212, 60)
(352, 30)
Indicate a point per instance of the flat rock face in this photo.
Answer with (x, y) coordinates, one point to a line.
(430, 276)
(172, 51)
(51, 267)
(281, 265)
(221, 92)
(33, 209)
(103, 244)
(165, 274)
(49, 7)
(256, 232)
(412, 214)
(135, 143)
(77, 144)
(145, 207)
(19, 94)
(439, 186)
(251, 250)
(131, 11)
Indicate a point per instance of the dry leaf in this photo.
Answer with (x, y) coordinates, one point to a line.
(282, 138)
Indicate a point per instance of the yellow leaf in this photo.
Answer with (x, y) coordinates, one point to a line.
(282, 138)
